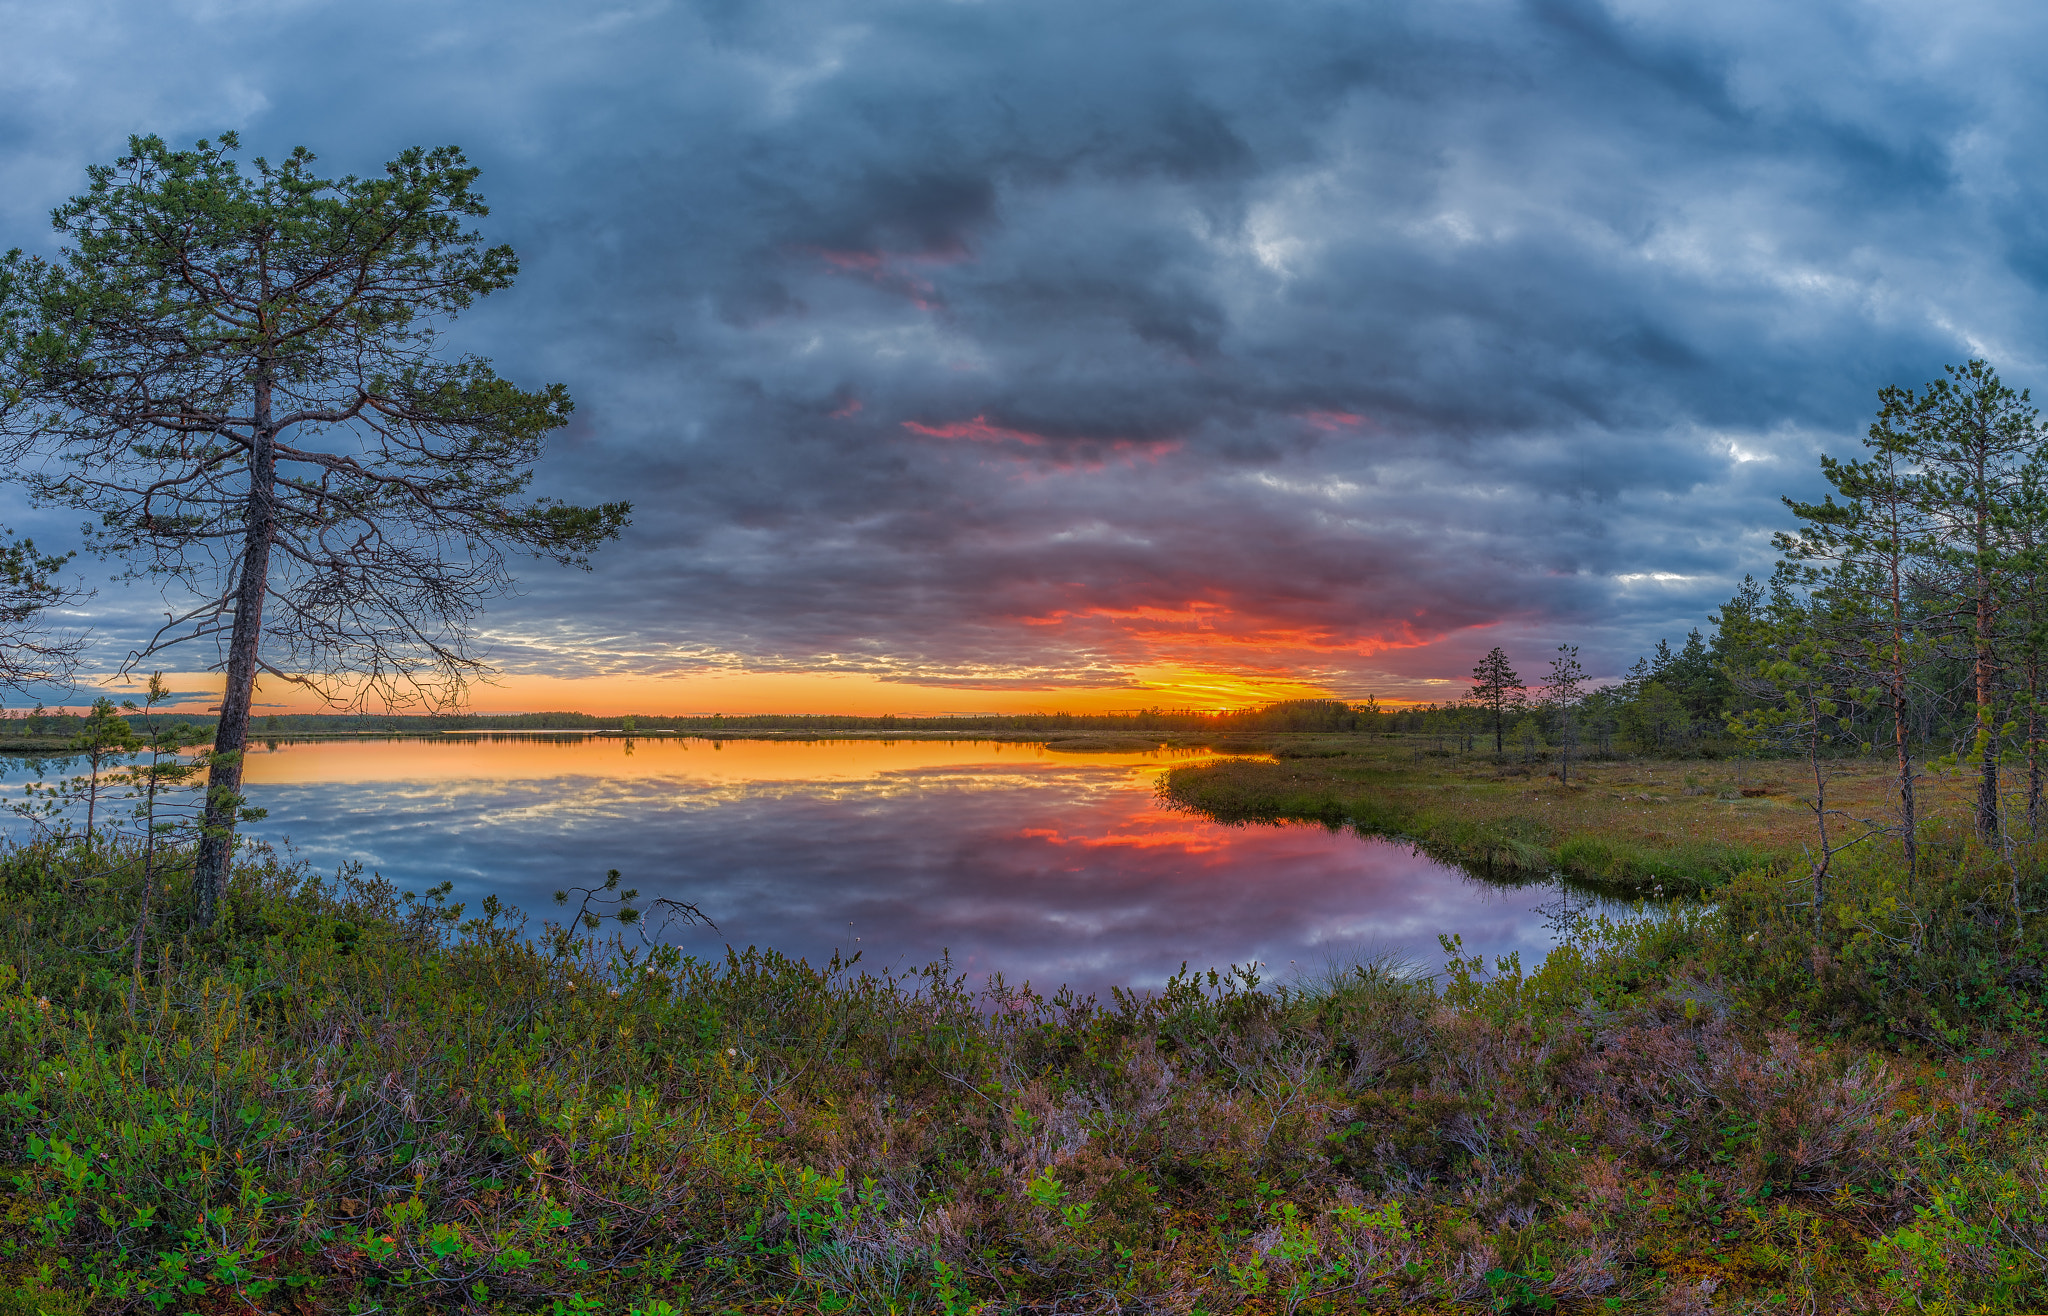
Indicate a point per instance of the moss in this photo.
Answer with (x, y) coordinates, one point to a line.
(41, 1298)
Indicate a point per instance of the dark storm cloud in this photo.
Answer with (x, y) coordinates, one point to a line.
(1023, 343)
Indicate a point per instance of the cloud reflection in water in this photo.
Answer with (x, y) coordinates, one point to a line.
(1052, 867)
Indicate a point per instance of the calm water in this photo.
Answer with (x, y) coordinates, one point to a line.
(1047, 866)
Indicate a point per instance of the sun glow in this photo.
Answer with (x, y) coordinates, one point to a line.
(737, 692)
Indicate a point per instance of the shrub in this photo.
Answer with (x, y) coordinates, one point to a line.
(346, 1098)
(1892, 957)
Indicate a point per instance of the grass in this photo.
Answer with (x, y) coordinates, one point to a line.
(1633, 825)
(345, 1099)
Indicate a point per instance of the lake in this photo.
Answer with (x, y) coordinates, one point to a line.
(1052, 867)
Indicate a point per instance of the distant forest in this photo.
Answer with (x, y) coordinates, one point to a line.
(1289, 715)
(1675, 701)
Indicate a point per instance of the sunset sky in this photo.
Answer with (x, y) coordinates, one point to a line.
(966, 355)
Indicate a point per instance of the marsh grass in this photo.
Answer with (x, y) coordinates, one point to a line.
(1626, 826)
(345, 1099)
(1340, 971)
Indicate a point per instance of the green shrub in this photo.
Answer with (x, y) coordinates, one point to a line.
(1894, 958)
(345, 1098)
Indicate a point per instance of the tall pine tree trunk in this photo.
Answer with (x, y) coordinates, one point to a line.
(1902, 729)
(1987, 730)
(1986, 674)
(2033, 744)
(1902, 726)
(1820, 814)
(231, 737)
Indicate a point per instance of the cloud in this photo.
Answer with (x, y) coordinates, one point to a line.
(1028, 344)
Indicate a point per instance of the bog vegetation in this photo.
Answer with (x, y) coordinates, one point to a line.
(343, 1098)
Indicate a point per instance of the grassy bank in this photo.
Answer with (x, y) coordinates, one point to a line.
(347, 1100)
(1632, 824)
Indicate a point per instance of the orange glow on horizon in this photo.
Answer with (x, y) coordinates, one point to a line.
(739, 693)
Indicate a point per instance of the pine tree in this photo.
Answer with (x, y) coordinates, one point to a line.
(1498, 690)
(1970, 438)
(237, 373)
(104, 739)
(1804, 695)
(1878, 537)
(1562, 690)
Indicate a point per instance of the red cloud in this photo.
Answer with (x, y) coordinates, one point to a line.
(887, 270)
(1073, 452)
(978, 429)
(1203, 631)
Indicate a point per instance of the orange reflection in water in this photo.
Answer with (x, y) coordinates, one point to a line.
(504, 758)
(1056, 867)
(1133, 832)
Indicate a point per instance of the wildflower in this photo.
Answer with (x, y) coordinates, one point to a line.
(43, 1003)
(731, 1051)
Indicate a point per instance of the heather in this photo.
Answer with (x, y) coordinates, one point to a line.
(342, 1097)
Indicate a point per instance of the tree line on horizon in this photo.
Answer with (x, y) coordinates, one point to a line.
(1328, 715)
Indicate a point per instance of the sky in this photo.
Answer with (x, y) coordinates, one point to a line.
(970, 356)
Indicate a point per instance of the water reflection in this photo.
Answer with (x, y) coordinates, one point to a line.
(1053, 867)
